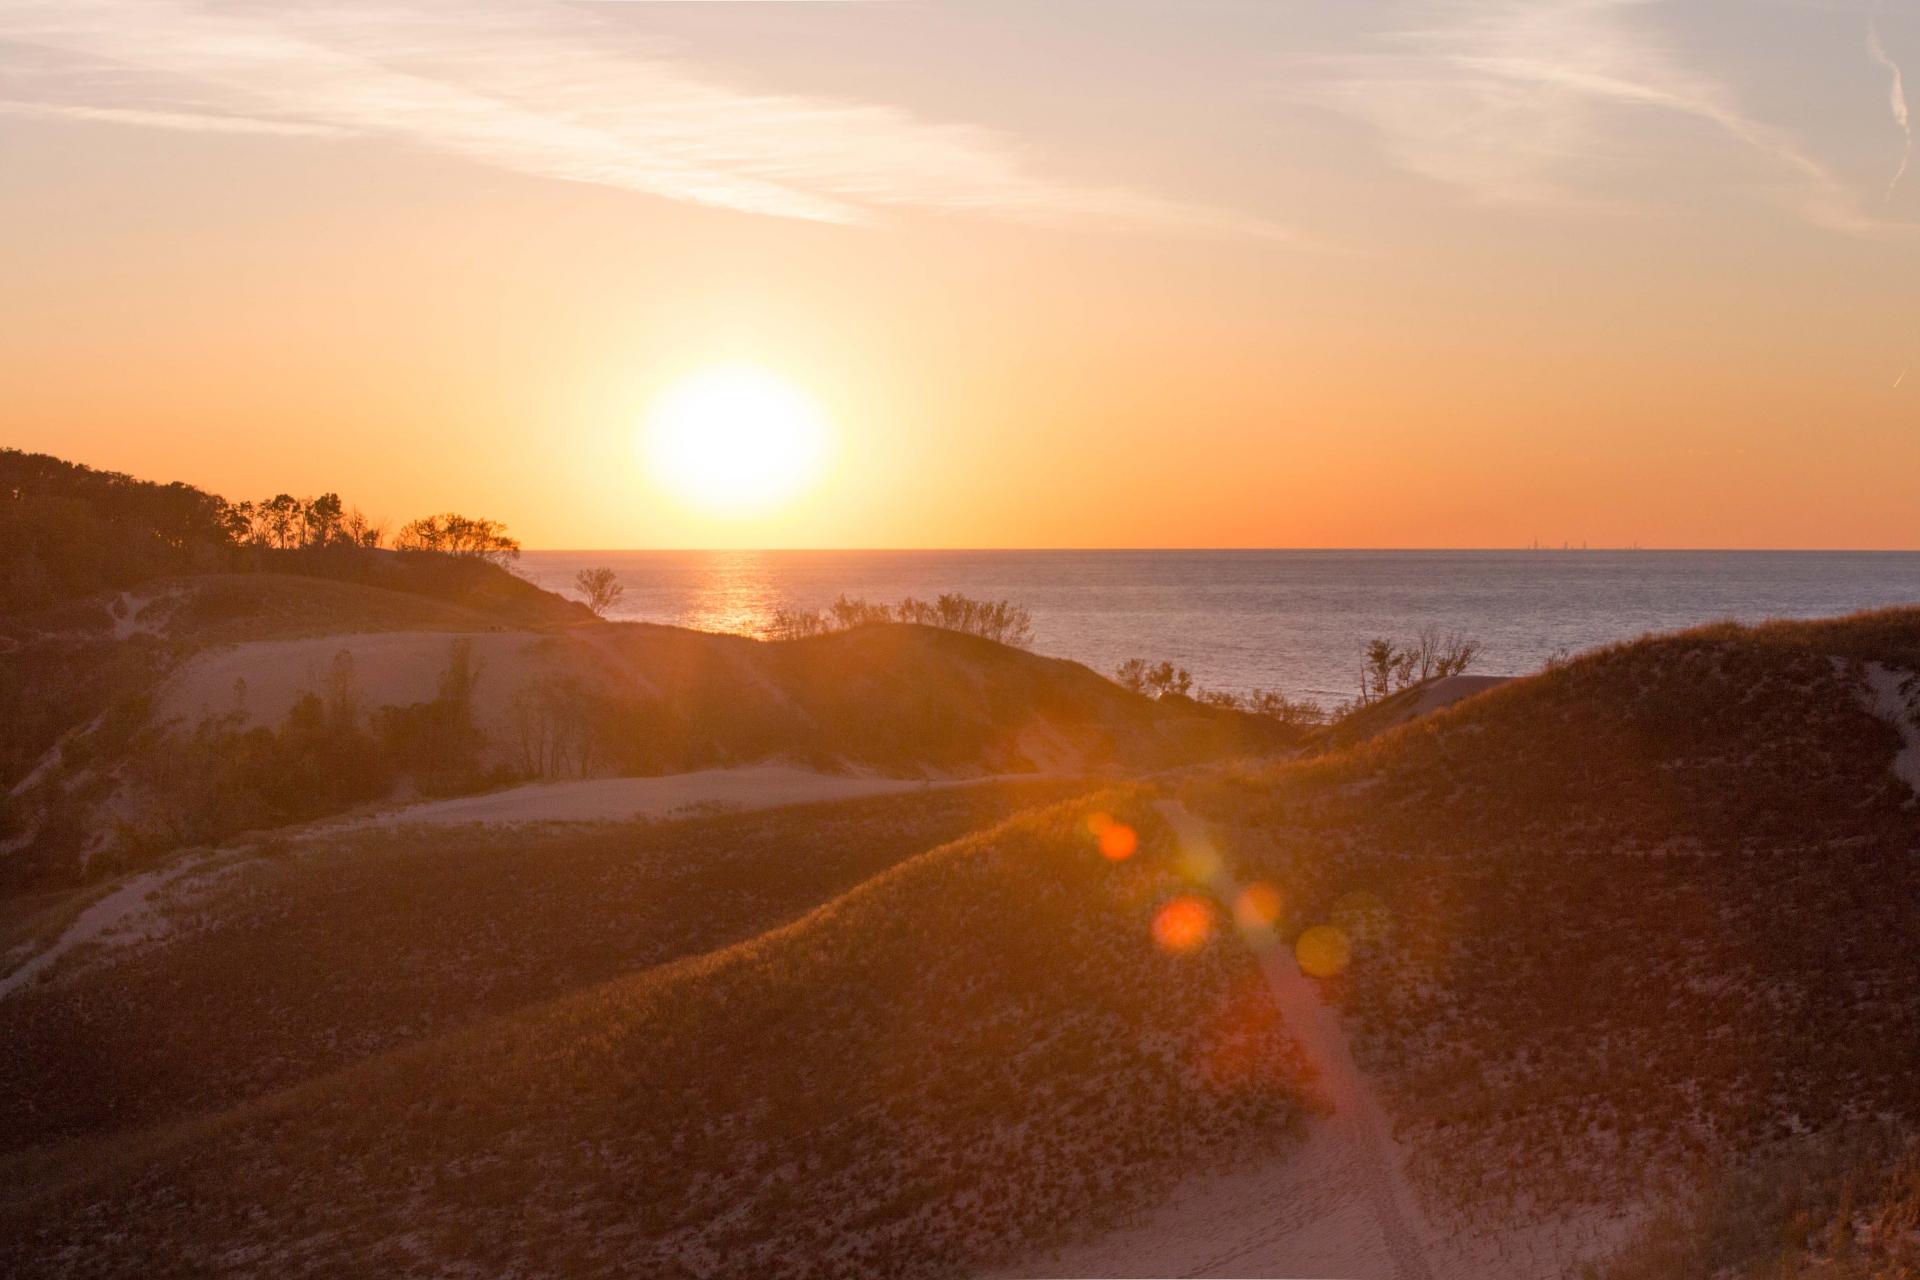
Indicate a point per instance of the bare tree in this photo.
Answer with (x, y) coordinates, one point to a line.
(1435, 655)
(360, 531)
(600, 587)
(1381, 659)
(1387, 667)
(1456, 654)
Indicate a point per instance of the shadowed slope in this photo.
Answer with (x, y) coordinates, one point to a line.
(973, 1053)
(279, 964)
(1651, 909)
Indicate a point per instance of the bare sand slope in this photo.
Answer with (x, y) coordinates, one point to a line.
(624, 799)
(1339, 1205)
(1448, 690)
(1893, 695)
(262, 679)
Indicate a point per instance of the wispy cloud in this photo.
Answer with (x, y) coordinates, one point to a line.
(551, 90)
(1897, 95)
(1515, 100)
(191, 121)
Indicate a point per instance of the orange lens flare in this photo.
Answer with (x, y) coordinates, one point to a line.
(1116, 839)
(1183, 924)
(1323, 951)
(1258, 905)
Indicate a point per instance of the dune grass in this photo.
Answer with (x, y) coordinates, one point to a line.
(311, 955)
(972, 1054)
(1635, 917)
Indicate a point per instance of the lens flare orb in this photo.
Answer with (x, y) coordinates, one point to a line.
(1183, 924)
(1323, 951)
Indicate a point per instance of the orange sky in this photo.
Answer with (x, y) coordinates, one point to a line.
(1064, 275)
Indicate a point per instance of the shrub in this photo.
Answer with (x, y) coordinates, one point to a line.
(1001, 621)
(1156, 680)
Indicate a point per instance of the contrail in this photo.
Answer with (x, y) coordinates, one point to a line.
(1897, 97)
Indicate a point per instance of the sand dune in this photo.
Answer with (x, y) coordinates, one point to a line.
(623, 799)
(1339, 1205)
(261, 680)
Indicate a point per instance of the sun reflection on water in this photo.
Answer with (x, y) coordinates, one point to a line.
(734, 593)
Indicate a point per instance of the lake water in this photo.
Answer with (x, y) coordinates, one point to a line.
(1288, 620)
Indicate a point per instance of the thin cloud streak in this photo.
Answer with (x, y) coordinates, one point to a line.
(551, 91)
(1509, 98)
(1897, 94)
(189, 121)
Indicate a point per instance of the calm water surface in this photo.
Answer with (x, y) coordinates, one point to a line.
(1289, 620)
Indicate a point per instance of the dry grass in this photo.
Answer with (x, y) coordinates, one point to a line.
(1843, 1205)
(1643, 914)
(967, 1056)
(313, 956)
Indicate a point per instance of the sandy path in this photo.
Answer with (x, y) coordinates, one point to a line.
(626, 799)
(1356, 1135)
(1338, 1205)
(119, 917)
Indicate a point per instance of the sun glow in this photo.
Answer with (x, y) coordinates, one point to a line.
(734, 439)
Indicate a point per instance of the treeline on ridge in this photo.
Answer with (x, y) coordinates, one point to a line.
(68, 531)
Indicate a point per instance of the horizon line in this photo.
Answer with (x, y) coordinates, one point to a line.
(1041, 550)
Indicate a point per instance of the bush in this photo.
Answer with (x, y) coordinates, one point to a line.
(1156, 680)
(1000, 621)
(201, 787)
(438, 742)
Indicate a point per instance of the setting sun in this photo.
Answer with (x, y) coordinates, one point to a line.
(735, 438)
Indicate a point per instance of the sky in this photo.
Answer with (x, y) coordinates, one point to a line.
(1054, 273)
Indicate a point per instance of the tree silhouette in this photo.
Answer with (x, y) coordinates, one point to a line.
(600, 587)
(458, 535)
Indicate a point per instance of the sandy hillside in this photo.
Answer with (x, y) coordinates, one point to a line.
(1339, 1205)
(904, 699)
(741, 790)
(943, 1063)
(261, 680)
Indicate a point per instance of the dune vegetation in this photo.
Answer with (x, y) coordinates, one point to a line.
(300, 955)
(968, 1055)
(1624, 926)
